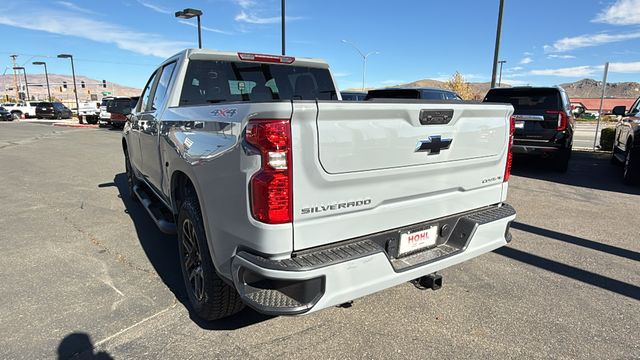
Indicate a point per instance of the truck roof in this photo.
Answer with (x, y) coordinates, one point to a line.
(208, 54)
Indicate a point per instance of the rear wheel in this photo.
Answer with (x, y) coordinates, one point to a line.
(631, 175)
(210, 297)
(561, 160)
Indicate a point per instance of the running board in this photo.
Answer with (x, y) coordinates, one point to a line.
(163, 221)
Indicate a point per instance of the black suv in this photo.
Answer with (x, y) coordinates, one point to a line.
(424, 93)
(544, 122)
(52, 110)
(626, 143)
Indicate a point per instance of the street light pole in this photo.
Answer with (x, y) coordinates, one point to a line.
(501, 62)
(496, 52)
(46, 75)
(75, 88)
(26, 85)
(188, 14)
(364, 60)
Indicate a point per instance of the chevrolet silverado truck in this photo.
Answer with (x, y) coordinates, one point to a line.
(288, 200)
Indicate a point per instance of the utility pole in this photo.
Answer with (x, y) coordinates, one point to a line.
(500, 77)
(496, 52)
(604, 92)
(15, 77)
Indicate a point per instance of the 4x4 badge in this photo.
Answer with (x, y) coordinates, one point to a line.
(433, 144)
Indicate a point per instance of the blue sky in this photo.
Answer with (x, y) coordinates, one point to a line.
(544, 42)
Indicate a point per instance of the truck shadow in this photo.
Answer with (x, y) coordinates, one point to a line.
(586, 169)
(161, 250)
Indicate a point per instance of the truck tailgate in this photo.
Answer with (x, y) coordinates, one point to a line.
(361, 168)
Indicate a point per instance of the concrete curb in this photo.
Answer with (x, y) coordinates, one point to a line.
(76, 125)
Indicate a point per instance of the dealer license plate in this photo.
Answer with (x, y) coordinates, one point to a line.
(417, 240)
(519, 124)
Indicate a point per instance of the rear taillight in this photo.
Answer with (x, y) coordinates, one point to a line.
(507, 168)
(562, 119)
(270, 188)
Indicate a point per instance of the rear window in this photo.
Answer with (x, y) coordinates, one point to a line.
(118, 105)
(212, 82)
(527, 99)
(393, 94)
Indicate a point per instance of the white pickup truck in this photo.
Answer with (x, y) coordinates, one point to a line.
(28, 109)
(289, 200)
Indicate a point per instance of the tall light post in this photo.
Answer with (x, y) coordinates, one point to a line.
(26, 85)
(46, 75)
(75, 88)
(188, 14)
(364, 60)
(283, 21)
(496, 52)
(501, 62)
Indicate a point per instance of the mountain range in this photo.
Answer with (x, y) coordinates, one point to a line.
(585, 88)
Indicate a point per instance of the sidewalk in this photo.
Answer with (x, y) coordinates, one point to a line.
(64, 123)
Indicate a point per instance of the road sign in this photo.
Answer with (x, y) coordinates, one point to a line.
(106, 93)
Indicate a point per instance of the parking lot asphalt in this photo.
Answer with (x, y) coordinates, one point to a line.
(84, 273)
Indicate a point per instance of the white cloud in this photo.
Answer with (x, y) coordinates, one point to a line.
(205, 28)
(252, 18)
(71, 6)
(514, 82)
(556, 56)
(622, 12)
(526, 60)
(245, 4)
(70, 24)
(625, 68)
(155, 8)
(528, 53)
(576, 71)
(340, 74)
(514, 69)
(589, 40)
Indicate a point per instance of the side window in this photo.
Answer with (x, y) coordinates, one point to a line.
(144, 99)
(163, 83)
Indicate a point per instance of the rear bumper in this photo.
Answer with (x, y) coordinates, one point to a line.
(328, 276)
(534, 149)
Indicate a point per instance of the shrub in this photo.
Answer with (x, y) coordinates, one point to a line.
(606, 139)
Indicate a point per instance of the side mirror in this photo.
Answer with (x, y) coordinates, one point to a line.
(619, 110)
(126, 111)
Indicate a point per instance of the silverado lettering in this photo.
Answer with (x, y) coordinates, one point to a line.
(332, 207)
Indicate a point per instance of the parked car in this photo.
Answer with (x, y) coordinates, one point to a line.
(425, 93)
(353, 96)
(90, 111)
(119, 109)
(626, 143)
(238, 152)
(111, 102)
(5, 115)
(53, 110)
(544, 121)
(26, 108)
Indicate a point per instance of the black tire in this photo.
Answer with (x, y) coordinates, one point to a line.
(92, 121)
(131, 178)
(59, 116)
(631, 174)
(614, 160)
(561, 160)
(210, 297)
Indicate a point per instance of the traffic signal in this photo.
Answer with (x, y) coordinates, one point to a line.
(104, 84)
(64, 84)
(82, 84)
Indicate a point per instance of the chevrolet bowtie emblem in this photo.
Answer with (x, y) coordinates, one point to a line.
(433, 144)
